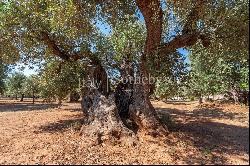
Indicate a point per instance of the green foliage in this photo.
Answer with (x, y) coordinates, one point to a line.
(229, 33)
(72, 24)
(238, 75)
(32, 85)
(3, 75)
(212, 75)
(128, 40)
(230, 38)
(171, 77)
(244, 77)
(224, 65)
(15, 84)
(22, 23)
(57, 81)
(206, 76)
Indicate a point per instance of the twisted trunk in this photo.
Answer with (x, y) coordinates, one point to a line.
(128, 110)
(117, 116)
(103, 122)
(141, 110)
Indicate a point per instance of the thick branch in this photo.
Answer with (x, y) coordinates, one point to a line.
(185, 40)
(59, 52)
(153, 16)
(190, 35)
(179, 42)
(53, 47)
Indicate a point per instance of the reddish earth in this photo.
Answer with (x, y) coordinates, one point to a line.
(212, 133)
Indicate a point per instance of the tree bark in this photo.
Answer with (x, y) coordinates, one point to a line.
(153, 15)
(103, 119)
(242, 96)
(33, 97)
(22, 96)
(234, 95)
(59, 102)
(121, 114)
(74, 96)
(140, 110)
(133, 102)
(200, 99)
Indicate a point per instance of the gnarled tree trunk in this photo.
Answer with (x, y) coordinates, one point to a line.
(128, 110)
(119, 115)
(103, 122)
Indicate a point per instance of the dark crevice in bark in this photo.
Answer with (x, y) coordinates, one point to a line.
(123, 99)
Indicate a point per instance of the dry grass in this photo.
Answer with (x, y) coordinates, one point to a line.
(43, 134)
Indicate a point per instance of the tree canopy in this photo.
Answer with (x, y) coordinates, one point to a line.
(69, 29)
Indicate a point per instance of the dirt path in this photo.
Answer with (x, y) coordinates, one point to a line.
(42, 134)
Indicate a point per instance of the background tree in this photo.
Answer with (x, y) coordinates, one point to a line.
(215, 76)
(171, 77)
(59, 80)
(3, 74)
(219, 68)
(32, 86)
(15, 85)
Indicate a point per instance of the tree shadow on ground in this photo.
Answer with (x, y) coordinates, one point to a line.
(74, 123)
(13, 107)
(203, 113)
(178, 102)
(71, 106)
(213, 140)
(73, 109)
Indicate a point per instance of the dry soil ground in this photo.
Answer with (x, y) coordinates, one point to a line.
(43, 134)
